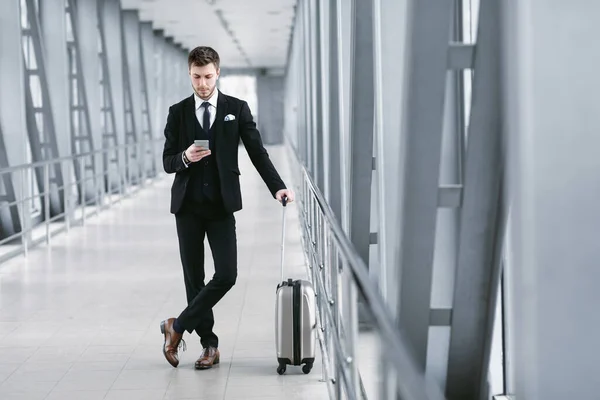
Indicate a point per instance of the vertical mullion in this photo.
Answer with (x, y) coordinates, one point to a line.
(335, 104)
(477, 273)
(361, 125)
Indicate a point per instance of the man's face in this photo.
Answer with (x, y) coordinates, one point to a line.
(204, 80)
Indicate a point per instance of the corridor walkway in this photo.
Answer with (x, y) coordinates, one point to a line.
(80, 320)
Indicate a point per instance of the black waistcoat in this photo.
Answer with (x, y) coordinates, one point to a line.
(204, 186)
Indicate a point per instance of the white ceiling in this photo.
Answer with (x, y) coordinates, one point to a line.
(262, 28)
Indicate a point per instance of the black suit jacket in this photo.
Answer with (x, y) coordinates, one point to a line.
(179, 135)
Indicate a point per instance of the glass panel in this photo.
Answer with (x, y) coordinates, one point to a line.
(24, 15)
(35, 204)
(467, 91)
(69, 27)
(496, 368)
(99, 40)
(102, 95)
(75, 117)
(29, 53)
(39, 121)
(32, 54)
(72, 55)
(24, 43)
(74, 92)
(470, 18)
(103, 117)
(36, 90)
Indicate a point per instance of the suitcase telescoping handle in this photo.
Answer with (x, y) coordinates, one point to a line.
(284, 203)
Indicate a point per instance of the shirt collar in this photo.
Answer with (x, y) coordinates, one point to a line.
(212, 100)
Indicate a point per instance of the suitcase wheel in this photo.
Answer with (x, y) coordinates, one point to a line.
(307, 367)
(281, 369)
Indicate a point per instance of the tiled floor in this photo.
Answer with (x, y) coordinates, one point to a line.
(80, 320)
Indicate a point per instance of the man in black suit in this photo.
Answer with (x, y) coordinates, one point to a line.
(206, 193)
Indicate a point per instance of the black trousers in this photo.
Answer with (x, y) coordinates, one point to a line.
(193, 223)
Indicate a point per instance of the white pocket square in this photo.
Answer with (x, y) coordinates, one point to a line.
(230, 117)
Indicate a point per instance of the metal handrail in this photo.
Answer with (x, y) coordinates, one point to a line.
(412, 383)
(71, 157)
(121, 187)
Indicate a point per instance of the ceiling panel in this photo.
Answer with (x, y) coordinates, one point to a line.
(245, 33)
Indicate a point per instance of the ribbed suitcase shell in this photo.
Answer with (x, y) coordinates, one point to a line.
(295, 323)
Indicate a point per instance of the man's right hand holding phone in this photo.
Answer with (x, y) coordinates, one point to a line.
(196, 153)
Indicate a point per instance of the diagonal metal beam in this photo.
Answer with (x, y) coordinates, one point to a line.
(422, 115)
(12, 114)
(9, 216)
(107, 108)
(362, 110)
(317, 94)
(476, 282)
(86, 16)
(111, 30)
(361, 125)
(132, 92)
(307, 80)
(43, 136)
(146, 96)
(81, 123)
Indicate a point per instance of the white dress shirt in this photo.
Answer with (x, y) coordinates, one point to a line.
(201, 110)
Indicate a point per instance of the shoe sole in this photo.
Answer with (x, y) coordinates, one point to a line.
(162, 330)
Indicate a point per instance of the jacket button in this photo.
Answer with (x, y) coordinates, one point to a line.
(205, 162)
(206, 184)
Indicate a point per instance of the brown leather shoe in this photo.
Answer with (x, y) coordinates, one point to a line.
(173, 340)
(208, 358)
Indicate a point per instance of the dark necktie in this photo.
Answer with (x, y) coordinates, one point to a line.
(206, 119)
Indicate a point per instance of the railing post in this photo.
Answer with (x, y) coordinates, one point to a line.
(351, 361)
(122, 173)
(24, 213)
(126, 172)
(98, 178)
(82, 189)
(128, 182)
(108, 182)
(326, 300)
(47, 200)
(322, 299)
(103, 189)
(142, 161)
(66, 189)
(336, 326)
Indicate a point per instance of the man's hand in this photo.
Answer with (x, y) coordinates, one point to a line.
(195, 153)
(285, 192)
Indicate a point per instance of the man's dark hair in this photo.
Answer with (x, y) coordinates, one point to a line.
(203, 55)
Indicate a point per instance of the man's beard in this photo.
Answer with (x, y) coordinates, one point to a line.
(199, 95)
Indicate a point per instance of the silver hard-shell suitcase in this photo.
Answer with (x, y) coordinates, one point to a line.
(295, 319)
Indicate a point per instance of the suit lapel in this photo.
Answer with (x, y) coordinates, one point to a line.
(190, 120)
(218, 133)
(217, 128)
